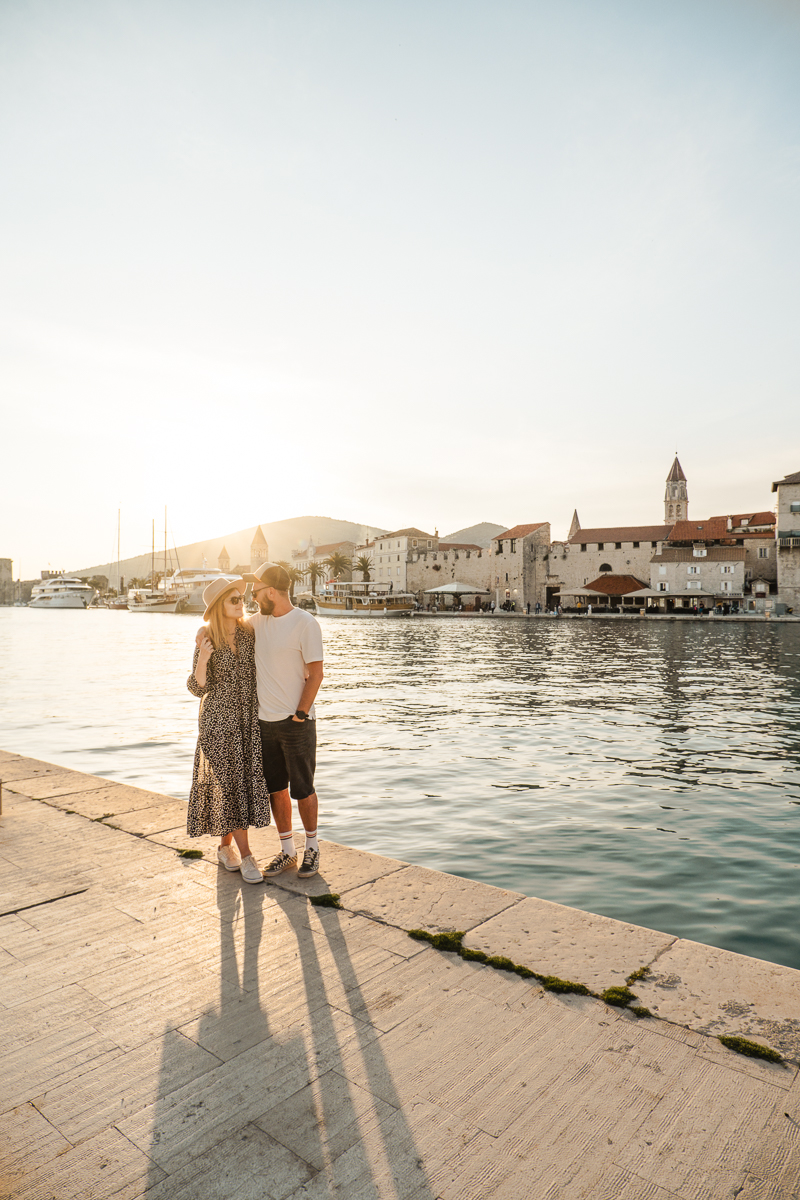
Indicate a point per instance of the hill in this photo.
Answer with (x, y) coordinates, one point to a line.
(479, 535)
(282, 537)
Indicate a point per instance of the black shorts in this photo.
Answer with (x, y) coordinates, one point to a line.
(289, 751)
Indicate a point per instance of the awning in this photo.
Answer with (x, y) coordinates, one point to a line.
(457, 589)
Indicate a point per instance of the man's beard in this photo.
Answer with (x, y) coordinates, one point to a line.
(267, 607)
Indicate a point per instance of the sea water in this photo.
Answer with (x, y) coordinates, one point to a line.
(646, 770)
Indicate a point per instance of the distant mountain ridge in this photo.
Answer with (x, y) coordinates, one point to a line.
(282, 537)
(479, 535)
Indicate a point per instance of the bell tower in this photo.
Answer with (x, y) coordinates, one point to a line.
(676, 496)
(259, 550)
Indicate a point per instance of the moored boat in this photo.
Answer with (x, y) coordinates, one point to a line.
(61, 591)
(363, 600)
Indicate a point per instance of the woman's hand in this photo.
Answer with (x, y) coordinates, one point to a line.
(206, 650)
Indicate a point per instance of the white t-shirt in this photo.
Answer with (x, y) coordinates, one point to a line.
(283, 647)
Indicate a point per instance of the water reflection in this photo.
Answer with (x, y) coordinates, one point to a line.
(648, 771)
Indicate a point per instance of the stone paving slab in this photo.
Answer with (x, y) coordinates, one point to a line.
(174, 1033)
(554, 940)
(416, 898)
(715, 991)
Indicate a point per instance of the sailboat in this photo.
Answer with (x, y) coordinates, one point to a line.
(156, 599)
(120, 601)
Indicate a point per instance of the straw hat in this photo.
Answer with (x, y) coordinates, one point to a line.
(218, 588)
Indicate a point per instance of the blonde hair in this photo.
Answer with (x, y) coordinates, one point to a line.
(216, 619)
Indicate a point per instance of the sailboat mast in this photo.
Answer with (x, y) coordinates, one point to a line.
(153, 558)
(118, 574)
(165, 549)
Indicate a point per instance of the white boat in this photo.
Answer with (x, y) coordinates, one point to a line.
(140, 600)
(190, 582)
(363, 600)
(61, 591)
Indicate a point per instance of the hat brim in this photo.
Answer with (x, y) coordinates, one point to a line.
(238, 585)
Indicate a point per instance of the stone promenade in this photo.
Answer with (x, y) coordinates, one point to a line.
(170, 1031)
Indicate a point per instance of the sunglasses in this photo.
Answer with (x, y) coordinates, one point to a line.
(235, 599)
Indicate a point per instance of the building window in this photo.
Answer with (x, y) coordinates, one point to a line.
(726, 585)
(513, 548)
(636, 545)
(726, 569)
(740, 541)
(414, 542)
(605, 567)
(700, 552)
(601, 545)
(429, 545)
(662, 570)
(794, 506)
(763, 552)
(692, 570)
(617, 545)
(398, 570)
(506, 576)
(693, 585)
(398, 557)
(380, 572)
(583, 546)
(663, 587)
(499, 549)
(654, 545)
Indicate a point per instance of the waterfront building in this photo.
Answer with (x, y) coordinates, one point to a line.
(259, 554)
(608, 590)
(520, 566)
(224, 560)
(6, 581)
(302, 559)
(788, 540)
(446, 562)
(689, 575)
(743, 541)
(607, 550)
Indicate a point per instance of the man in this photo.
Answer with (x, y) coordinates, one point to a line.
(288, 676)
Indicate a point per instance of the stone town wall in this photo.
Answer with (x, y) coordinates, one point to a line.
(432, 568)
(572, 567)
(6, 581)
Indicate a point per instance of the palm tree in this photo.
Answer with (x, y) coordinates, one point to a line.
(339, 564)
(315, 571)
(364, 564)
(295, 576)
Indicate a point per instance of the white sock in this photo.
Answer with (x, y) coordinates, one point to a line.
(287, 844)
(311, 841)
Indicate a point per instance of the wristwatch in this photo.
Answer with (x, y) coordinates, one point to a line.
(302, 715)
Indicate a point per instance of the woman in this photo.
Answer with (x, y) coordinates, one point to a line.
(228, 793)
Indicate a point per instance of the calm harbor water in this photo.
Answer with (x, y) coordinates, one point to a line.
(649, 771)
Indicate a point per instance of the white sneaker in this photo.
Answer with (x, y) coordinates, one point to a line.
(251, 871)
(228, 856)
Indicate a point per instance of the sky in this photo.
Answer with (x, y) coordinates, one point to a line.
(416, 262)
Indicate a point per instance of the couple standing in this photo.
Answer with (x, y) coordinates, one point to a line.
(257, 679)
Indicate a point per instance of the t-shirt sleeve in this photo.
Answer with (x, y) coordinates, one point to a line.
(311, 641)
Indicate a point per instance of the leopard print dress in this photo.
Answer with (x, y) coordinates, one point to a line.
(228, 787)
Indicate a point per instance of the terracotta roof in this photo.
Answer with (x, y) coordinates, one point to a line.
(519, 531)
(676, 474)
(759, 518)
(714, 529)
(622, 533)
(330, 549)
(458, 546)
(615, 585)
(412, 533)
(793, 478)
(713, 554)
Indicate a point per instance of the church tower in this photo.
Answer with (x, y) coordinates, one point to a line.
(224, 560)
(259, 550)
(676, 496)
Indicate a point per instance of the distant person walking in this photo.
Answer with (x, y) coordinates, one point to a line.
(288, 658)
(228, 792)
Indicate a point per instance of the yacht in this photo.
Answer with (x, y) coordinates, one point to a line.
(61, 591)
(188, 585)
(140, 600)
(363, 600)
